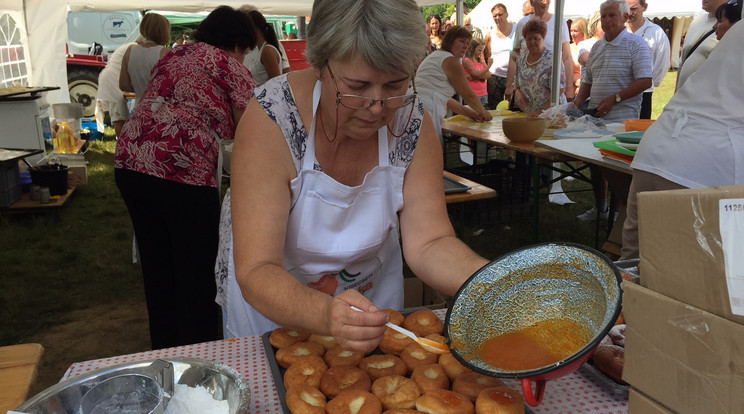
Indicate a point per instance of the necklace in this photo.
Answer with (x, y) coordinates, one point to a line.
(533, 63)
(322, 127)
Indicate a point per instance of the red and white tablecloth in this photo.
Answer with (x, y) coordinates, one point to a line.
(573, 393)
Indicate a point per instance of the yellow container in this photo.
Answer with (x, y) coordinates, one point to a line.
(65, 139)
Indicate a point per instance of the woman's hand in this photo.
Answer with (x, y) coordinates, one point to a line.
(354, 330)
(484, 115)
(521, 100)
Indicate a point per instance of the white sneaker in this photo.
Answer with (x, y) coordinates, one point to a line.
(591, 214)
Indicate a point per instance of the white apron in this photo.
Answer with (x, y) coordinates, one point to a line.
(338, 237)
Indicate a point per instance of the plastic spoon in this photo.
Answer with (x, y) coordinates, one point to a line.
(427, 344)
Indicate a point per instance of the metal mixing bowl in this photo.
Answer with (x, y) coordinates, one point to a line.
(224, 383)
(536, 283)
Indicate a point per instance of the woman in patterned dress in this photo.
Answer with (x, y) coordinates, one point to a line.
(166, 162)
(535, 71)
(332, 165)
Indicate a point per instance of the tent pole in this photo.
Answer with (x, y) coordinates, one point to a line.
(555, 82)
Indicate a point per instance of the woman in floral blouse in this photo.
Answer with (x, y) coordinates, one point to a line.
(535, 71)
(166, 161)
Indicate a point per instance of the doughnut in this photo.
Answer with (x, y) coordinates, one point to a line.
(423, 322)
(617, 334)
(328, 342)
(430, 378)
(304, 399)
(284, 337)
(444, 402)
(393, 342)
(437, 338)
(338, 356)
(610, 359)
(286, 356)
(395, 391)
(383, 365)
(414, 355)
(402, 411)
(396, 318)
(337, 379)
(306, 370)
(354, 401)
(452, 366)
(499, 400)
(470, 384)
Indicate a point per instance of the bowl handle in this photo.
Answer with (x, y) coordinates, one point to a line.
(533, 398)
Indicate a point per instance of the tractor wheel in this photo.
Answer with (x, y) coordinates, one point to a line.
(83, 87)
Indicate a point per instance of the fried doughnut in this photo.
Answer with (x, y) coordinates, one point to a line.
(288, 355)
(354, 401)
(423, 322)
(617, 334)
(499, 400)
(383, 365)
(452, 366)
(444, 402)
(430, 378)
(306, 370)
(402, 411)
(470, 384)
(393, 342)
(337, 356)
(396, 318)
(337, 379)
(395, 391)
(304, 399)
(437, 338)
(328, 342)
(414, 355)
(284, 337)
(610, 359)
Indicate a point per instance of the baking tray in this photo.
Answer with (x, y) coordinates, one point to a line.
(452, 186)
(277, 372)
(604, 381)
(31, 91)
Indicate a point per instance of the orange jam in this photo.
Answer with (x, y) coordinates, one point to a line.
(535, 346)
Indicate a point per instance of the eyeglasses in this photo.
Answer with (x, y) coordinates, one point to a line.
(733, 2)
(364, 102)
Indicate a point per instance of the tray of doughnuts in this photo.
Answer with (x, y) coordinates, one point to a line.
(311, 372)
(606, 365)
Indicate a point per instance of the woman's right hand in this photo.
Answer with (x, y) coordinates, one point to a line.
(354, 330)
(520, 99)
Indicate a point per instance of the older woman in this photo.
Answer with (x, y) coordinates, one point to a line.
(535, 71)
(331, 165)
(441, 75)
(140, 58)
(165, 163)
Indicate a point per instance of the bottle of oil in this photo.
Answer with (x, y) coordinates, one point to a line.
(66, 139)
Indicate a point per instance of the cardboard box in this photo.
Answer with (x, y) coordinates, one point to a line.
(680, 247)
(417, 294)
(639, 403)
(688, 360)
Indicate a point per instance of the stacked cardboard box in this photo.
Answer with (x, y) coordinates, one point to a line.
(684, 344)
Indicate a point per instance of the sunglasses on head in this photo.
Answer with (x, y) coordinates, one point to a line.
(733, 2)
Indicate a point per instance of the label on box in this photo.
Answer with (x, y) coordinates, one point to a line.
(731, 225)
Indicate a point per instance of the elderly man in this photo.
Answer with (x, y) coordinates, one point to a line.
(541, 12)
(657, 41)
(699, 41)
(618, 69)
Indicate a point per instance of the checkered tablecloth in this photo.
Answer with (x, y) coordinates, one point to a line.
(574, 393)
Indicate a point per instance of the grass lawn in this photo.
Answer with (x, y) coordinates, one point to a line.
(663, 94)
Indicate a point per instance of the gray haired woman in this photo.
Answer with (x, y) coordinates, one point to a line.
(332, 165)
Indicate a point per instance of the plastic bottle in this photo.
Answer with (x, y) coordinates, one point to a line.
(66, 139)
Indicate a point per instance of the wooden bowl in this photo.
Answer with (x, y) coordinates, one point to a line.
(523, 129)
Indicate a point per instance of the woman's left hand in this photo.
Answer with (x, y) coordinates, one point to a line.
(354, 330)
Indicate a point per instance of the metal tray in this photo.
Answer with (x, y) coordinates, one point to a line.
(453, 186)
(277, 372)
(31, 91)
(604, 381)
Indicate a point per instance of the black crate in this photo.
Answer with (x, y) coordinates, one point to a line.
(10, 183)
(512, 182)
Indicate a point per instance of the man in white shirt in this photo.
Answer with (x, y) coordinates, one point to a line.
(657, 41)
(618, 69)
(699, 41)
(498, 45)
